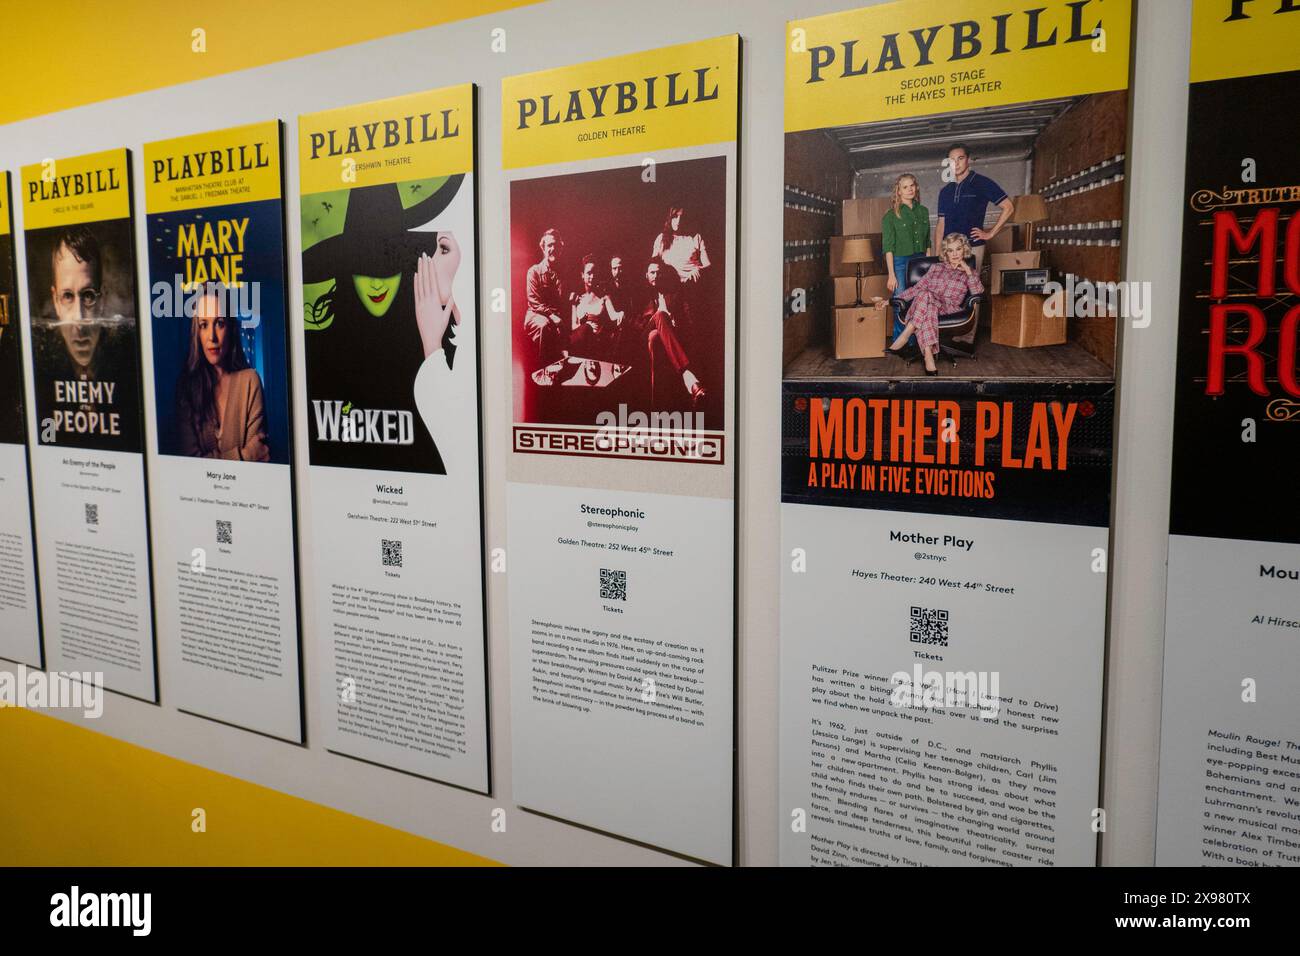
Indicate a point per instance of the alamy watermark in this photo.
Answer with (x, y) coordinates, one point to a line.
(181, 299)
(933, 690)
(1085, 299)
(655, 434)
(67, 690)
(75, 908)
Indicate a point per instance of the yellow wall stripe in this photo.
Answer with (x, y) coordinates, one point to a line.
(73, 797)
(89, 51)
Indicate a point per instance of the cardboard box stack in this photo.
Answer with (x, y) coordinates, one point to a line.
(860, 333)
(860, 330)
(847, 289)
(1000, 261)
(1020, 320)
(1026, 320)
(1008, 240)
(861, 216)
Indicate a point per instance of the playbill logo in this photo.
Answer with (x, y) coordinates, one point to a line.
(212, 162)
(939, 689)
(36, 690)
(386, 134)
(337, 421)
(74, 184)
(75, 908)
(617, 98)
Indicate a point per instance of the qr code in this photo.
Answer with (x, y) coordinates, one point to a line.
(392, 553)
(224, 535)
(92, 514)
(928, 626)
(613, 585)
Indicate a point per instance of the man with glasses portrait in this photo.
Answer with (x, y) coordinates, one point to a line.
(86, 365)
(76, 279)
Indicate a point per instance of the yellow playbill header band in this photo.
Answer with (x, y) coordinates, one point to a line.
(675, 96)
(213, 169)
(6, 217)
(1244, 38)
(419, 136)
(65, 192)
(920, 57)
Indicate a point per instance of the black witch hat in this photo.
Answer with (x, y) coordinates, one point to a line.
(377, 239)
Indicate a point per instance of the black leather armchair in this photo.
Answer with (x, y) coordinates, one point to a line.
(952, 324)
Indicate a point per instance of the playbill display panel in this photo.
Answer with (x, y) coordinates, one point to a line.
(390, 339)
(88, 468)
(20, 634)
(954, 207)
(621, 473)
(224, 546)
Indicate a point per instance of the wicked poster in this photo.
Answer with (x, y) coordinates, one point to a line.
(1229, 790)
(223, 539)
(390, 339)
(88, 468)
(20, 636)
(954, 206)
(622, 322)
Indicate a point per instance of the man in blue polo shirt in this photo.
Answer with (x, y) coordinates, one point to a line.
(962, 205)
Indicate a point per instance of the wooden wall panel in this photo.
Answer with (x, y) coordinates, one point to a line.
(1096, 205)
(815, 163)
(1093, 131)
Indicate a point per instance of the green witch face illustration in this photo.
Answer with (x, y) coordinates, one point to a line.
(377, 294)
(372, 263)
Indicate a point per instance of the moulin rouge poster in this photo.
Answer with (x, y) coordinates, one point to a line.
(1237, 407)
(1230, 654)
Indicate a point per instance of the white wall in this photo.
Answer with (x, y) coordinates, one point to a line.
(566, 31)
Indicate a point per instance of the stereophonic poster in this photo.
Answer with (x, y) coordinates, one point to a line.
(88, 470)
(390, 339)
(225, 589)
(1229, 791)
(621, 471)
(20, 636)
(954, 204)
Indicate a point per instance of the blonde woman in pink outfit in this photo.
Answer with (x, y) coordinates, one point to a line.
(941, 291)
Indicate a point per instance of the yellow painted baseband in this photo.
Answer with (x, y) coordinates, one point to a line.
(73, 797)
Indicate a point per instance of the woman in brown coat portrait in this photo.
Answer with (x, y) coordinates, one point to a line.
(222, 413)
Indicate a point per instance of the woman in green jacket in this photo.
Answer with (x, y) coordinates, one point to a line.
(905, 234)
